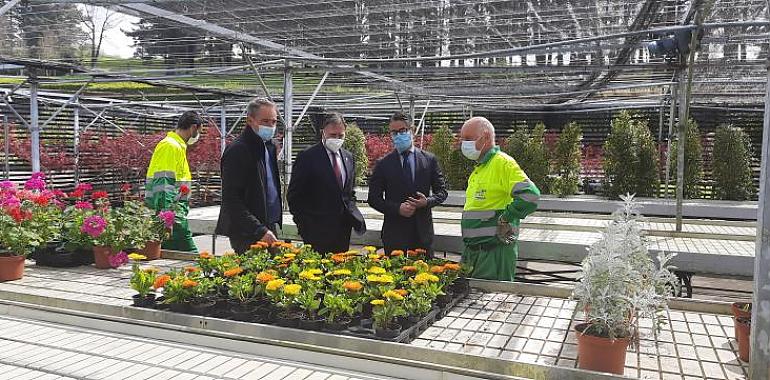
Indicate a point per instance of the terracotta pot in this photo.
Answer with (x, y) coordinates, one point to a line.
(101, 257)
(738, 312)
(743, 336)
(152, 250)
(600, 354)
(11, 268)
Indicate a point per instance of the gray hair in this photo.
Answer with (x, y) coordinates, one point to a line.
(256, 104)
(333, 118)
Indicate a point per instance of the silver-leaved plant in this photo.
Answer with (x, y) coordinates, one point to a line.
(620, 282)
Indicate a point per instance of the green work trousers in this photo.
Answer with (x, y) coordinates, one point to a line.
(181, 237)
(497, 263)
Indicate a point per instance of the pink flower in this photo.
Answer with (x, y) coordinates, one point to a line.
(167, 216)
(38, 175)
(83, 205)
(118, 259)
(7, 186)
(10, 201)
(94, 225)
(84, 187)
(35, 184)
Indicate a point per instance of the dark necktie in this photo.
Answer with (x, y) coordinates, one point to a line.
(336, 167)
(407, 165)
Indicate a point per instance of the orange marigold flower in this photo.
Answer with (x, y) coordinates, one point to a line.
(409, 268)
(452, 266)
(259, 245)
(411, 253)
(205, 255)
(161, 281)
(437, 269)
(420, 251)
(402, 292)
(191, 269)
(352, 286)
(189, 284)
(397, 253)
(264, 277)
(339, 258)
(233, 272)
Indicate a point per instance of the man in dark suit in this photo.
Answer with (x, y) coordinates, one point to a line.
(321, 193)
(251, 208)
(404, 186)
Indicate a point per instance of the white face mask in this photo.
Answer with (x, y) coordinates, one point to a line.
(194, 139)
(334, 145)
(469, 150)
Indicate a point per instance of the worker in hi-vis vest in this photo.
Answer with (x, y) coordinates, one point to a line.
(169, 179)
(498, 196)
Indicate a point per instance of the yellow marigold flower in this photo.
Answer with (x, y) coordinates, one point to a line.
(397, 253)
(377, 302)
(422, 266)
(374, 257)
(342, 272)
(350, 253)
(370, 248)
(274, 285)
(137, 257)
(233, 272)
(424, 278)
(325, 261)
(376, 270)
(438, 269)
(391, 295)
(402, 292)
(292, 289)
(381, 278)
(290, 255)
(189, 284)
(309, 261)
(309, 275)
(352, 286)
(265, 277)
(452, 266)
(151, 270)
(205, 255)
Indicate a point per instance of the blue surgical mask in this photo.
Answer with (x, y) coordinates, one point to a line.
(402, 141)
(469, 150)
(265, 132)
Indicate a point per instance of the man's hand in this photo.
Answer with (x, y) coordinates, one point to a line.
(269, 238)
(406, 210)
(505, 231)
(419, 200)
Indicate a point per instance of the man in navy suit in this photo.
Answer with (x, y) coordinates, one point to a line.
(404, 186)
(321, 192)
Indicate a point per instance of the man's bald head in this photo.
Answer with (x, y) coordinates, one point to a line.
(480, 130)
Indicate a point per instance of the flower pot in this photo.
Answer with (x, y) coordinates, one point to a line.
(444, 300)
(340, 324)
(414, 319)
(84, 256)
(144, 301)
(600, 354)
(739, 312)
(56, 256)
(152, 250)
(389, 332)
(101, 257)
(179, 307)
(314, 324)
(202, 307)
(243, 312)
(285, 319)
(11, 268)
(743, 336)
(461, 285)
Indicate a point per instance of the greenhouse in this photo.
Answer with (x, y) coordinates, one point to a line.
(366, 189)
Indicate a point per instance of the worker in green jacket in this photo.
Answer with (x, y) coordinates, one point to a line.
(169, 179)
(498, 196)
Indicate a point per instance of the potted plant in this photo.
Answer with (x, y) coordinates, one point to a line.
(158, 229)
(338, 308)
(202, 301)
(385, 311)
(241, 289)
(620, 283)
(285, 297)
(178, 289)
(309, 304)
(142, 280)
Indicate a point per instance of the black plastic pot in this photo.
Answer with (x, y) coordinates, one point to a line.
(414, 319)
(314, 324)
(461, 285)
(285, 319)
(147, 301)
(338, 325)
(392, 331)
(442, 301)
(243, 312)
(84, 256)
(179, 307)
(204, 307)
(54, 255)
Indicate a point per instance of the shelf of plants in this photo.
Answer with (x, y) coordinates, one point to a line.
(357, 293)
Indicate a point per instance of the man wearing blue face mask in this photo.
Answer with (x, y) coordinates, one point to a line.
(251, 208)
(405, 185)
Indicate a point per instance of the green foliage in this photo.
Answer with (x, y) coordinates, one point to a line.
(455, 166)
(337, 306)
(566, 163)
(241, 288)
(693, 160)
(355, 142)
(630, 158)
(531, 154)
(732, 164)
(142, 279)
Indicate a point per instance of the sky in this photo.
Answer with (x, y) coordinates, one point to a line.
(116, 43)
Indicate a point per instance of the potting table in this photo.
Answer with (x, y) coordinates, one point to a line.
(499, 330)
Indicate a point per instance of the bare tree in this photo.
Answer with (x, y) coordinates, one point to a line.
(97, 21)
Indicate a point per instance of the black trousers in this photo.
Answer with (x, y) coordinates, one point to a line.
(331, 237)
(240, 245)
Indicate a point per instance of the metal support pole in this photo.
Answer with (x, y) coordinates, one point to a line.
(76, 138)
(310, 101)
(759, 365)
(222, 128)
(671, 120)
(34, 128)
(6, 134)
(684, 115)
(411, 110)
(287, 116)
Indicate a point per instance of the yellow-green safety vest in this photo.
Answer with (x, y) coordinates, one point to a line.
(167, 172)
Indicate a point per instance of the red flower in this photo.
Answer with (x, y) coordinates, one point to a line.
(126, 187)
(42, 200)
(184, 189)
(99, 195)
(78, 193)
(19, 215)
